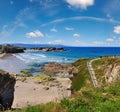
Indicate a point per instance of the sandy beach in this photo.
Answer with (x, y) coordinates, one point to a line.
(30, 92)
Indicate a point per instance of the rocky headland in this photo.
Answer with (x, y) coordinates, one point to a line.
(11, 49)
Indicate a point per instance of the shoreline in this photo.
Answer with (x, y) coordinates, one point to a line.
(4, 55)
(29, 92)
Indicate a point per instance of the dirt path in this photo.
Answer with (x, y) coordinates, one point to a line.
(92, 73)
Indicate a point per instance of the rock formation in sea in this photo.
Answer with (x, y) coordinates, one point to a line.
(47, 49)
(7, 83)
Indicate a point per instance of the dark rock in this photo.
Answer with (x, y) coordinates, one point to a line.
(36, 65)
(7, 84)
(46, 88)
(47, 49)
(11, 49)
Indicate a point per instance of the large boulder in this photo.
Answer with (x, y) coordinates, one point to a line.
(7, 84)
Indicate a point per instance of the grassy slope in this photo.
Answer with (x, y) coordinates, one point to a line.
(87, 99)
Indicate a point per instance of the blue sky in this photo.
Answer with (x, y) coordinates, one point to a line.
(67, 22)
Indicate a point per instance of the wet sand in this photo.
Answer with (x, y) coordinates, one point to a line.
(11, 64)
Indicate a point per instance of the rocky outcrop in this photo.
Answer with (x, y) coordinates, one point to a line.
(112, 73)
(11, 49)
(7, 84)
(61, 70)
(47, 49)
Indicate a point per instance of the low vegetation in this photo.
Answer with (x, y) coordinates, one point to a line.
(83, 77)
(44, 78)
(86, 98)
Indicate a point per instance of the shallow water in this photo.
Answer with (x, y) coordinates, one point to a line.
(12, 65)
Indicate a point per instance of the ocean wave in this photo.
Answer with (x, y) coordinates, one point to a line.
(30, 58)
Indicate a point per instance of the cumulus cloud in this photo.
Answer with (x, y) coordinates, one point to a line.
(117, 29)
(53, 30)
(69, 28)
(76, 35)
(113, 40)
(34, 34)
(83, 4)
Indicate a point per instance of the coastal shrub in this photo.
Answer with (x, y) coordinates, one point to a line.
(27, 72)
(49, 107)
(44, 78)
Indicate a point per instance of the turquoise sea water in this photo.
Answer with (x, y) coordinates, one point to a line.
(70, 55)
(26, 60)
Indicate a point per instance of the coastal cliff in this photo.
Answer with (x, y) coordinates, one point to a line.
(7, 84)
(112, 73)
(107, 69)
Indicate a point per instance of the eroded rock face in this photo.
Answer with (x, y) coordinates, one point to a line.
(112, 73)
(62, 70)
(7, 84)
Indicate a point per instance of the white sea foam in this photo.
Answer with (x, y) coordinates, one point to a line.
(40, 58)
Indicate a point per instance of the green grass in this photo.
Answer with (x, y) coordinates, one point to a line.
(80, 80)
(49, 107)
(86, 98)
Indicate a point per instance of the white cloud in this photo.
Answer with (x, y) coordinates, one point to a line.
(77, 18)
(83, 4)
(114, 40)
(56, 42)
(99, 43)
(34, 34)
(53, 30)
(69, 28)
(76, 35)
(37, 42)
(110, 39)
(31, 0)
(117, 29)
(11, 2)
